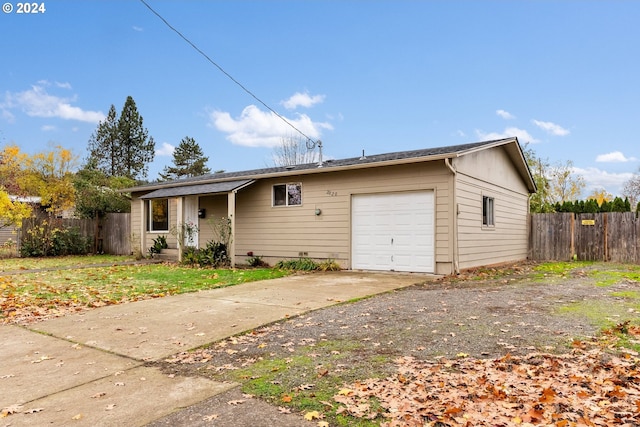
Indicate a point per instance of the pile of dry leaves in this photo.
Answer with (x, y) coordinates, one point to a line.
(587, 387)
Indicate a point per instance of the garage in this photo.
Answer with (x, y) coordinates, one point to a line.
(393, 231)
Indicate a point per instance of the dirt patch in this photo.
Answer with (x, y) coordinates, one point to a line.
(515, 313)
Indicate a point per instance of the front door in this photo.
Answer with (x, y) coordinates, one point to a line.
(191, 225)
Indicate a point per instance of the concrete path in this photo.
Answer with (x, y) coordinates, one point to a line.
(89, 369)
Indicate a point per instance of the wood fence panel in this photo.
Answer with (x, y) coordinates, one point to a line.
(113, 231)
(116, 234)
(590, 236)
(550, 236)
(622, 237)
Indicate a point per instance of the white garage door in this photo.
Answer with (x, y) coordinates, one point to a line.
(393, 232)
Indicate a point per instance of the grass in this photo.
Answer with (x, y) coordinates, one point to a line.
(35, 293)
(544, 271)
(16, 264)
(307, 380)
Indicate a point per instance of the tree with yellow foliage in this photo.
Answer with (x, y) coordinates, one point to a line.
(12, 212)
(47, 174)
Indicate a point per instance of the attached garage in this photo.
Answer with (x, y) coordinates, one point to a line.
(393, 231)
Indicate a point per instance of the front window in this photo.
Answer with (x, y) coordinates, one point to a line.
(287, 194)
(159, 215)
(487, 211)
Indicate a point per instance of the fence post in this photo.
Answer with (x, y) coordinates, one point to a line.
(573, 234)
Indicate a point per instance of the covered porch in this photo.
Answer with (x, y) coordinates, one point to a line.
(169, 211)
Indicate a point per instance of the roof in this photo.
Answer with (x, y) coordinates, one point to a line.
(366, 161)
(190, 190)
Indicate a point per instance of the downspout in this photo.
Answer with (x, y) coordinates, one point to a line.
(456, 268)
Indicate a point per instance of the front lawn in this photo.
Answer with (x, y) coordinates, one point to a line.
(31, 296)
(16, 264)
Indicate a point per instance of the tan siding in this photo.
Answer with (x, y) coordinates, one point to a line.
(506, 241)
(285, 232)
(215, 209)
(147, 240)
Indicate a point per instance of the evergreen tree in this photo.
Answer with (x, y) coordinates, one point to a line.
(137, 147)
(188, 160)
(104, 145)
(122, 146)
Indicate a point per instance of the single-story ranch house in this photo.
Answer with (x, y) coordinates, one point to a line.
(436, 210)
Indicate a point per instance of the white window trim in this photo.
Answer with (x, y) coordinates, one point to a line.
(490, 223)
(286, 199)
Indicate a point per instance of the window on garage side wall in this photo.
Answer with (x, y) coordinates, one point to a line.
(488, 219)
(287, 194)
(158, 215)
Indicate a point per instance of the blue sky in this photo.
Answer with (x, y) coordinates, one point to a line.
(378, 76)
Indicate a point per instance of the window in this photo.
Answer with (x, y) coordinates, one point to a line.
(158, 215)
(287, 194)
(487, 211)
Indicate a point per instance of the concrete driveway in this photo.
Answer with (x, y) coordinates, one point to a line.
(89, 369)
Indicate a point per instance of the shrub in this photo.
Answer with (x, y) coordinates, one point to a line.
(214, 254)
(47, 240)
(255, 260)
(307, 264)
(159, 243)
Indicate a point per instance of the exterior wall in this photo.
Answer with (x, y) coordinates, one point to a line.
(145, 238)
(216, 209)
(296, 231)
(7, 233)
(490, 173)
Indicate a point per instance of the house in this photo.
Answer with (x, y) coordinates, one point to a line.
(435, 210)
(11, 233)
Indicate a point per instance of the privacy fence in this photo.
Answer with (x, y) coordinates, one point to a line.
(110, 235)
(611, 236)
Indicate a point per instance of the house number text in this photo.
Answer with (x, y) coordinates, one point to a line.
(332, 193)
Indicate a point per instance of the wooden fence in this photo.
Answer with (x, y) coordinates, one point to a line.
(611, 236)
(111, 235)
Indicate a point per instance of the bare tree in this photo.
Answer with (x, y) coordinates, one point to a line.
(293, 151)
(631, 189)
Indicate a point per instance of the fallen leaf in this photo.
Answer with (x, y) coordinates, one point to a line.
(33, 411)
(210, 417)
(236, 402)
(313, 415)
(110, 407)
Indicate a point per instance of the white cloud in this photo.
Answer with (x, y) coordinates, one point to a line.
(165, 149)
(302, 100)
(48, 128)
(614, 157)
(551, 128)
(598, 178)
(63, 85)
(138, 29)
(37, 102)
(522, 135)
(257, 128)
(505, 114)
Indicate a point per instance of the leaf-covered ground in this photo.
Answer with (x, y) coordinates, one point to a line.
(585, 387)
(521, 346)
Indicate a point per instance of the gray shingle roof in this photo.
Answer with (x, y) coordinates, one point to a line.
(436, 152)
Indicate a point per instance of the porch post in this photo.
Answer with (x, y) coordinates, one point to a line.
(179, 221)
(143, 227)
(231, 213)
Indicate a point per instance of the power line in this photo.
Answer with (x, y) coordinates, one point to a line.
(223, 71)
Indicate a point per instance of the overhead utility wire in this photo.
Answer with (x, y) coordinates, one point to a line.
(223, 71)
